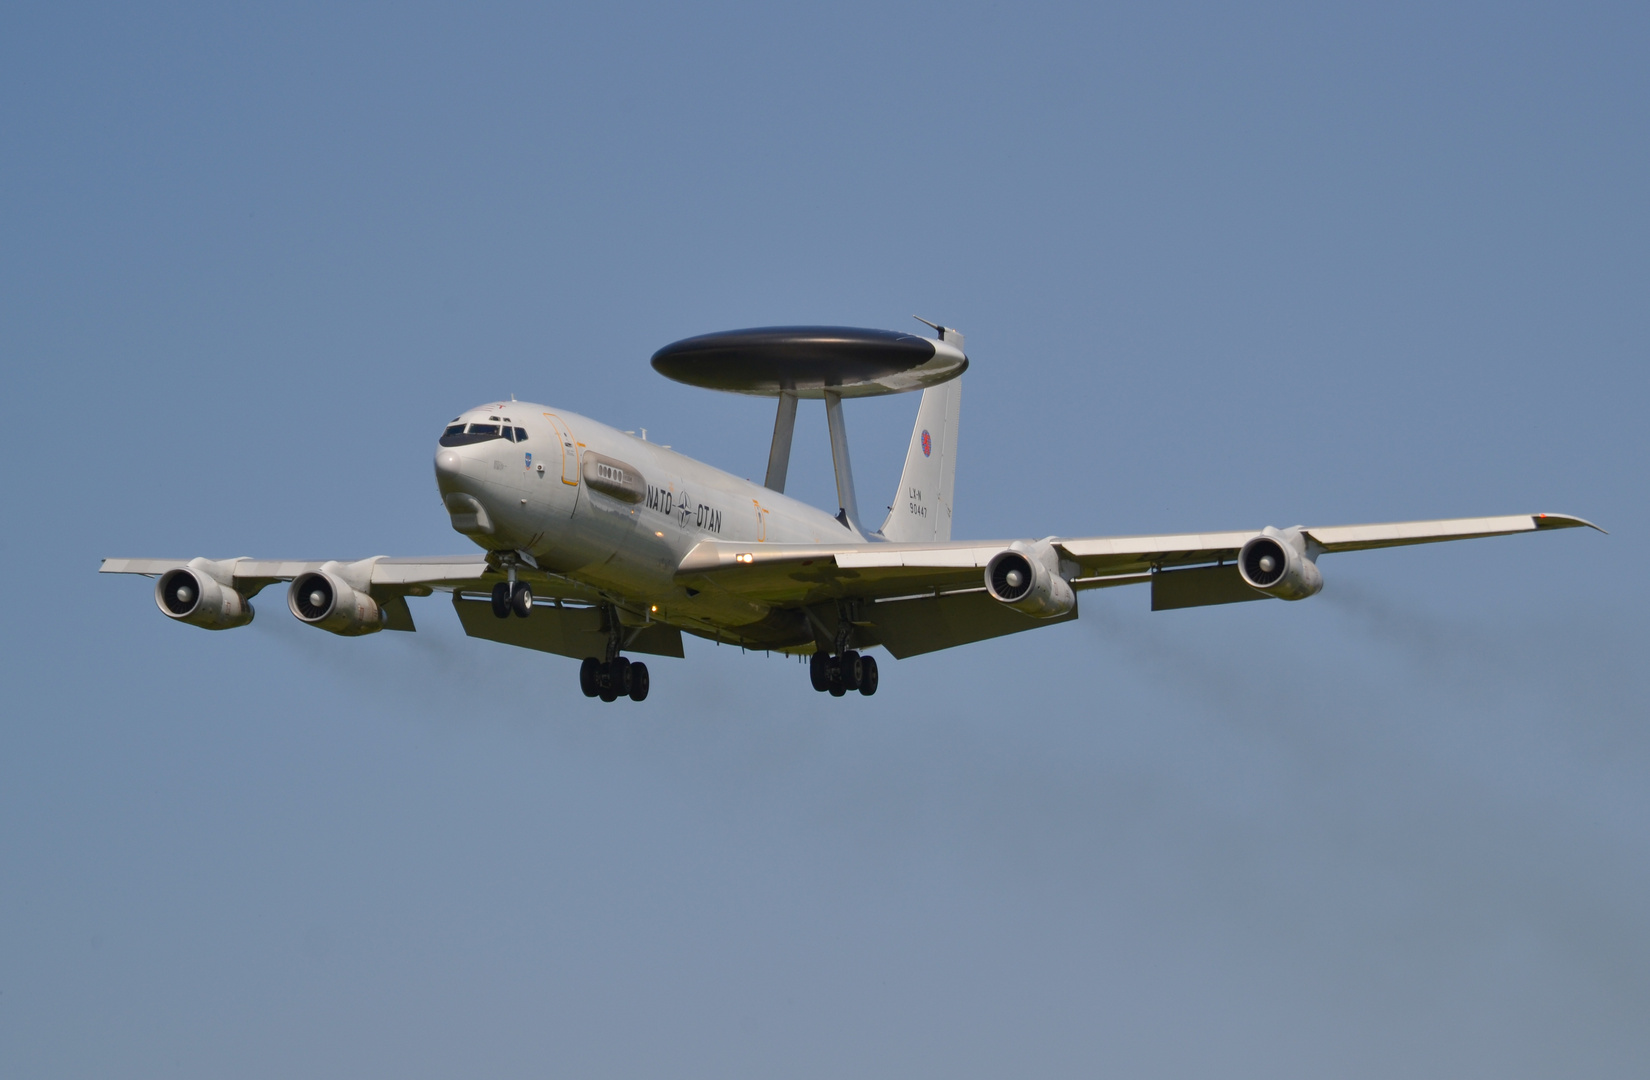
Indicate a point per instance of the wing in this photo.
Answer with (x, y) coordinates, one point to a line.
(803, 574)
(807, 575)
(389, 579)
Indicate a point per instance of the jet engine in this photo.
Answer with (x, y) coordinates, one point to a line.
(1276, 562)
(189, 594)
(327, 601)
(1027, 578)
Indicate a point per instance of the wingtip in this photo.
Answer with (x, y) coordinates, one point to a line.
(1564, 521)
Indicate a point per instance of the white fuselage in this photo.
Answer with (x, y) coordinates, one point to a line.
(538, 498)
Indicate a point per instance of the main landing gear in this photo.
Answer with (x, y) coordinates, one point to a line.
(837, 675)
(617, 676)
(614, 679)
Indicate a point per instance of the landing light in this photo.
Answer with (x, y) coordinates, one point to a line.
(744, 557)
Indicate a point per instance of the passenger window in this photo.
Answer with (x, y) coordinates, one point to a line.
(521, 434)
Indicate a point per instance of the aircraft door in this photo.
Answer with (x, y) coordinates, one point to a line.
(569, 450)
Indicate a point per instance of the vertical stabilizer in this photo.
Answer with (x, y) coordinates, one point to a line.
(922, 505)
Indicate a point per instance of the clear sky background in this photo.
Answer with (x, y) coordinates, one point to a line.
(1218, 268)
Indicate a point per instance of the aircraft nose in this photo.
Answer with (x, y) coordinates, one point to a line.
(448, 465)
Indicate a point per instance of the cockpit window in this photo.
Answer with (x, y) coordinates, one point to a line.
(509, 433)
(456, 435)
(521, 434)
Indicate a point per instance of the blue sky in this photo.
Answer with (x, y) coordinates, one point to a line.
(1218, 268)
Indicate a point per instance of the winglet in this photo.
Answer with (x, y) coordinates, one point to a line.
(1564, 521)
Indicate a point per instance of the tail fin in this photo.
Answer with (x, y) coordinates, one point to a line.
(922, 506)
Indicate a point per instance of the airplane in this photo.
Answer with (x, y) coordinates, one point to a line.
(595, 542)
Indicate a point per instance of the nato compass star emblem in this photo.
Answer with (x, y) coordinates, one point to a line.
(927, 443)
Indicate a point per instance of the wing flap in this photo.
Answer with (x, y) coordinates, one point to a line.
(576, 632)
(911, 627)
(1201, 586)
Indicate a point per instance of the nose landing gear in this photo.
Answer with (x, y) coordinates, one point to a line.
(512, 597)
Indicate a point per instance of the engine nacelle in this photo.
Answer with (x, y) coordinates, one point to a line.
(189, 594)
(1027, 578)
(1276, 562)
(328, 601)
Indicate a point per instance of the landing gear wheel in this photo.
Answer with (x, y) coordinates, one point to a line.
(608, 693)
(867, 675)
(521, 600)
(590, 676)
(849, 664)
(819, 671)
(501, 600)
(618, 676)
(638, 682)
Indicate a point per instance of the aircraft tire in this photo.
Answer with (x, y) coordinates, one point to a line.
(819, 672)
(521, 600)
(867, 675)
(618, 673)
(501, 600)
(590, 676)
(638, 682)
(837, 689)
(849, 664)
